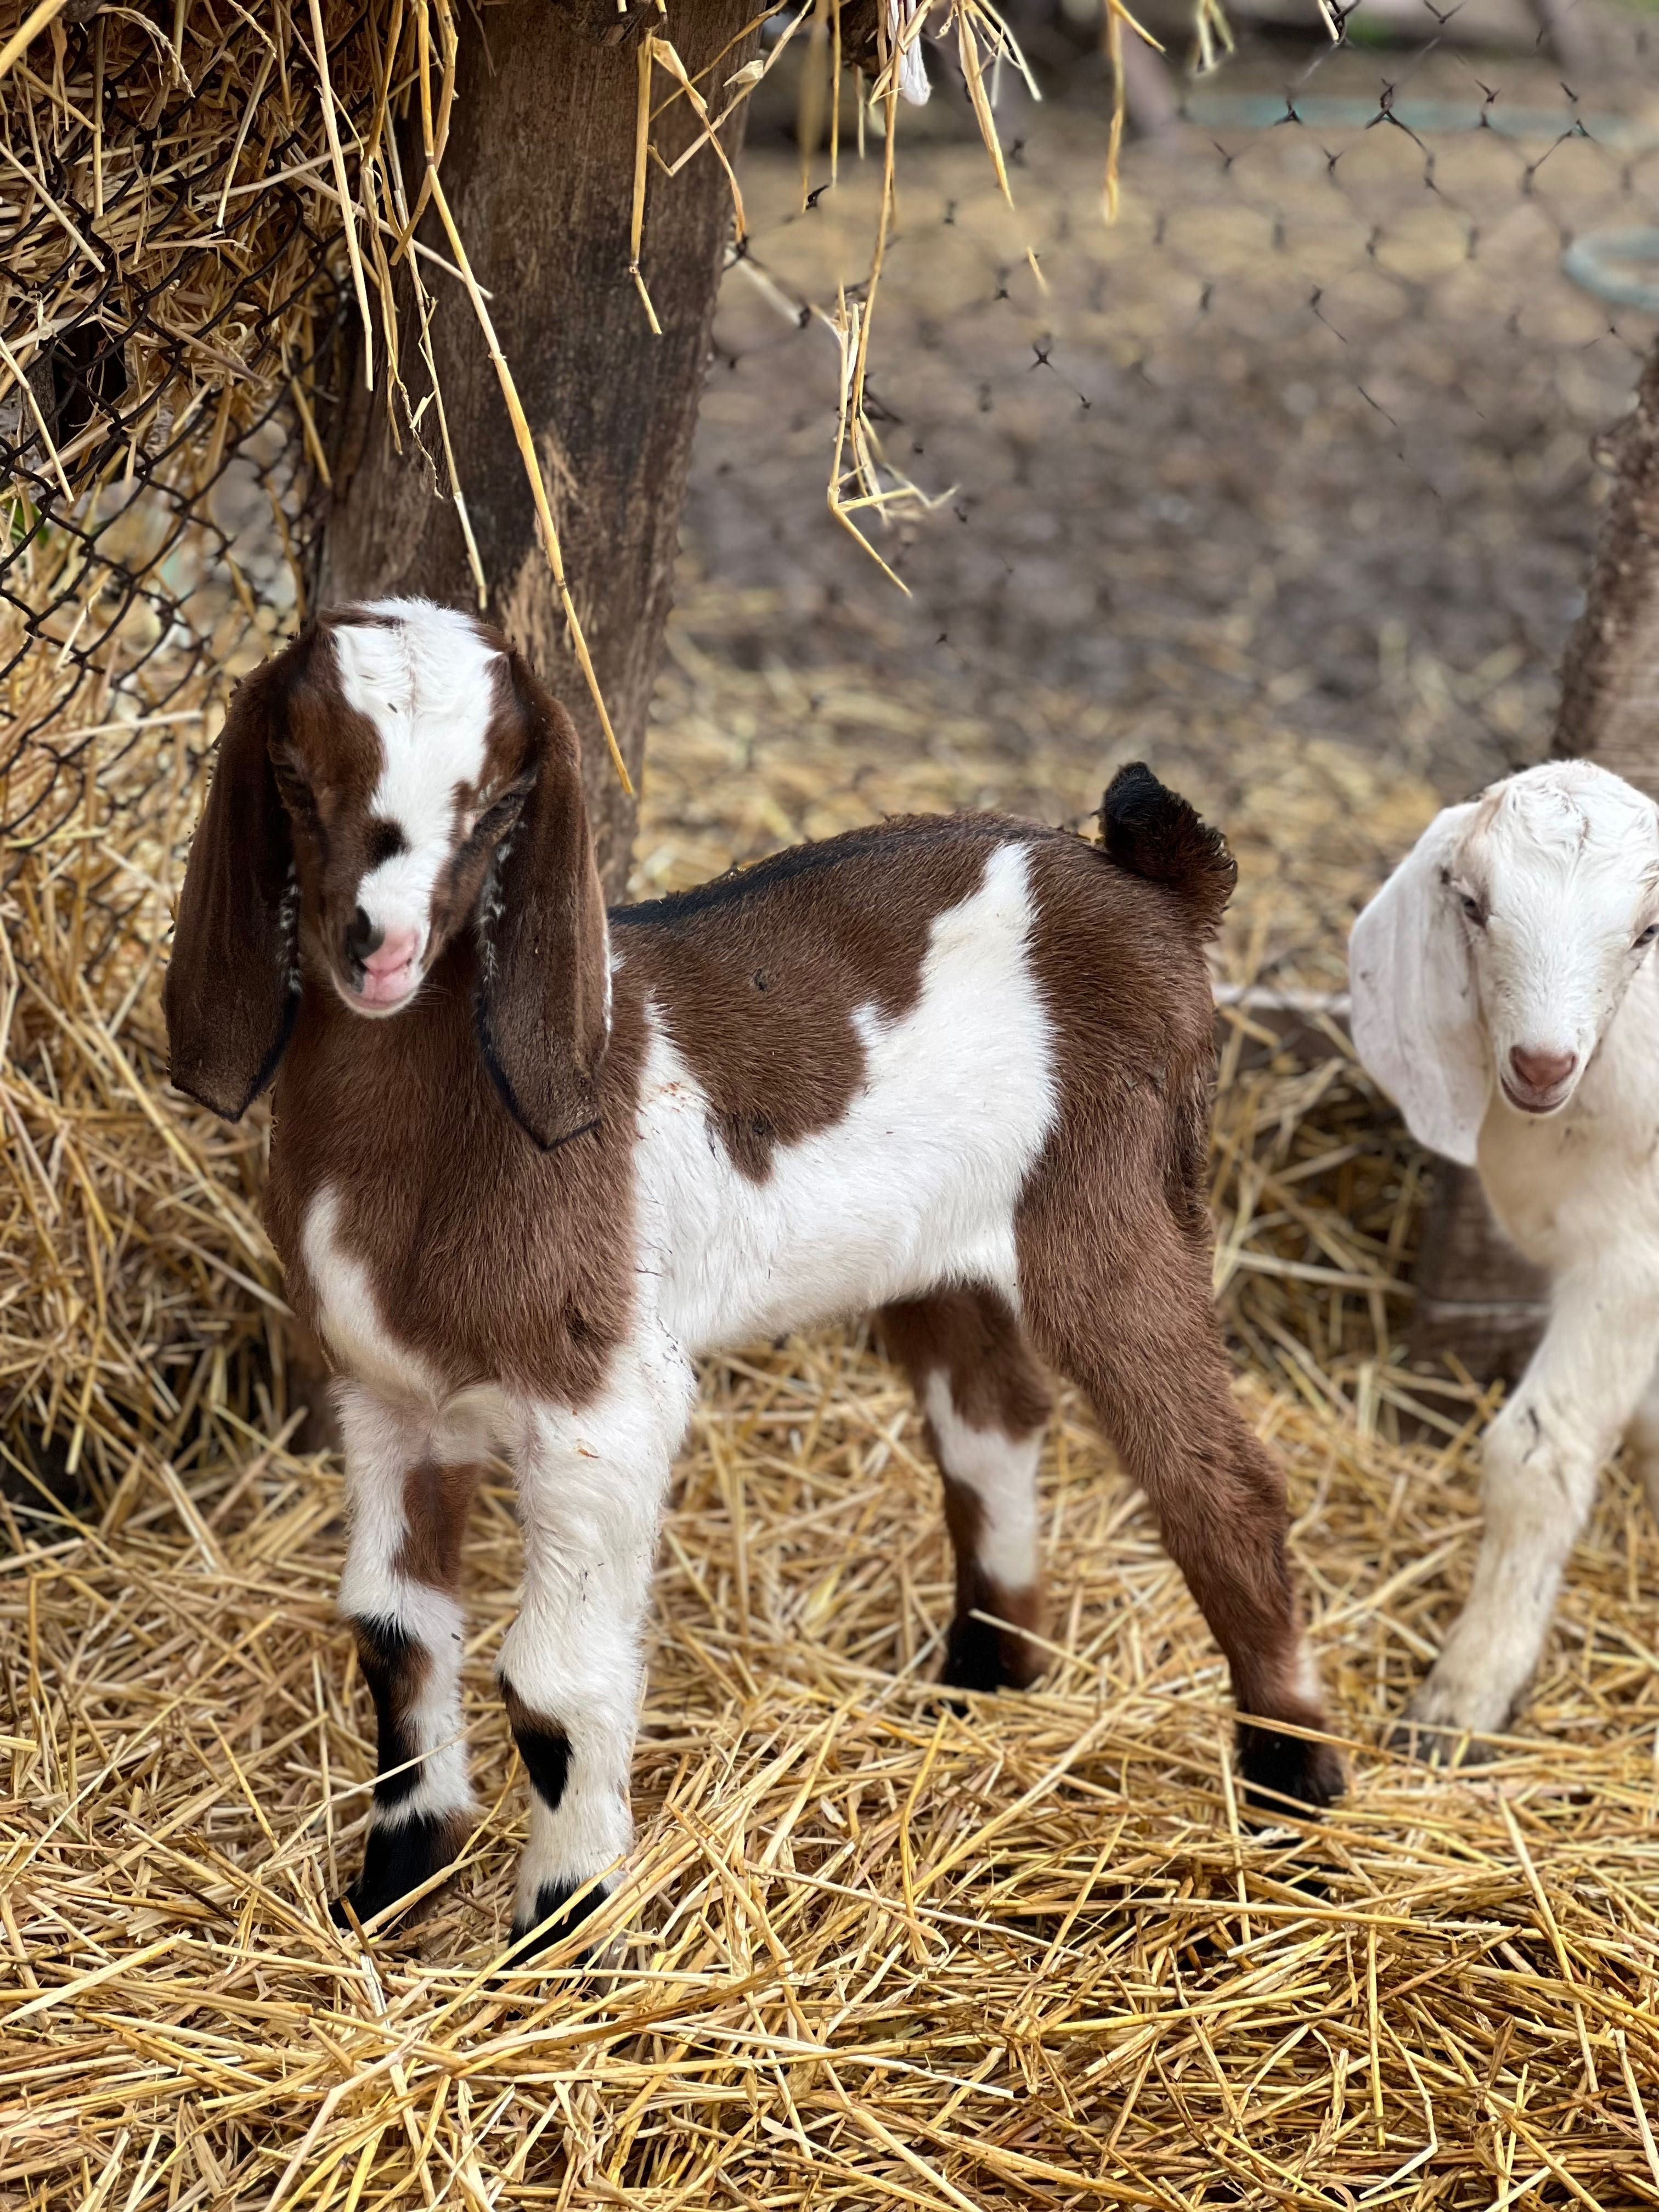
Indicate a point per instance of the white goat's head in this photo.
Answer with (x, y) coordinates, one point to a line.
(1501, 947)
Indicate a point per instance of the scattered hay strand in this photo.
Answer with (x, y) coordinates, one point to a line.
(869, 1952)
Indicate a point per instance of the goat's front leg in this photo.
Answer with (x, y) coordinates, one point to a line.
(1544, 1454)
(1642, 1440)
(400, 1591)
(590, 1487)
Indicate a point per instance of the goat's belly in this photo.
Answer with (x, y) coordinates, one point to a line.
(770, 1269)
(915, 1185)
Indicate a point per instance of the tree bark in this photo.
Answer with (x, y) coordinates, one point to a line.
(539, 173)
(1475, 1296)
(1609, 710)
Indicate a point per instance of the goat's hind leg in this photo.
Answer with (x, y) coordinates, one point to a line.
(985, 1405)
(400, 1591)
(1120, 1301)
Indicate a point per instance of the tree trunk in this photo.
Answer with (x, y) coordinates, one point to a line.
(1475, 1296)
(539, 173)
(1609, 710)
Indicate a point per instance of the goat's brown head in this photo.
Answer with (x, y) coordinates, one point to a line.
(394, 777)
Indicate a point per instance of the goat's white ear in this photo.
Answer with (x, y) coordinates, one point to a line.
(1417, 1024)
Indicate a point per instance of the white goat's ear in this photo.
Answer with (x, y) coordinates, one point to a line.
(1417, 1024)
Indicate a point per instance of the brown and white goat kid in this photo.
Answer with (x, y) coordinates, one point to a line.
(527, 1165)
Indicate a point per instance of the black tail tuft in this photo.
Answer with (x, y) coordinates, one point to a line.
(1152, 832)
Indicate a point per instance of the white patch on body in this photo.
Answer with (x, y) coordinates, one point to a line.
(425, 679)
(914, 1187)
(1000, 1471)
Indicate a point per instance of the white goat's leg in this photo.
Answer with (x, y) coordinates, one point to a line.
(1544, 1455)
(400, 1591)
(1642, 1438)
(590, 1487)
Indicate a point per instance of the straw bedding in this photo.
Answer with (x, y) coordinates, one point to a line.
(869, 1951)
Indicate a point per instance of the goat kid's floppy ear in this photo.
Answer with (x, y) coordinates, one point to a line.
(232, 982)
(1417, 1022)
(544, 995)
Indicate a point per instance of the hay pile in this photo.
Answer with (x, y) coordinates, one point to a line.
(869, 1952)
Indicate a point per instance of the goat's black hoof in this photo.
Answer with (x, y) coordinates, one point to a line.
(1433, 1743)
(560, 1909)
(1285, 1776)
(397, 1860)
(976, 1658)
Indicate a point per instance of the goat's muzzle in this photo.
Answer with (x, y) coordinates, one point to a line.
(384, 968)
(1537, 1080)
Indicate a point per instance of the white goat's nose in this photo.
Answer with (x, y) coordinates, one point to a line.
(1540, 1068)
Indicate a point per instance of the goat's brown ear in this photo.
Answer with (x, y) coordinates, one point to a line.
(544, 995)
(233, 983)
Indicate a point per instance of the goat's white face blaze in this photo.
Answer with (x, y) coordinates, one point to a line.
(424, 680)
(1486, 969)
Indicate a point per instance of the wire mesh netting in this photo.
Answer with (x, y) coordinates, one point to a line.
(1286, 481)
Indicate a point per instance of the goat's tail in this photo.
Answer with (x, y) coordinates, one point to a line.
(1152, 832)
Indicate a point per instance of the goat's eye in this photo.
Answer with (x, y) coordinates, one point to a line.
(1647, 935)
(1474, 909)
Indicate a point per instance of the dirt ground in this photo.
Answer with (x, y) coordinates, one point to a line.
(1303, 441)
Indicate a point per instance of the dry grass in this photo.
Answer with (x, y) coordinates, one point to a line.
(868, 1951)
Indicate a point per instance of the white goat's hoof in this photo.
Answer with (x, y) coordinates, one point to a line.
(1444, 1728)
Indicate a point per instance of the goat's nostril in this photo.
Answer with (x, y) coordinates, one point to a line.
(362, 937)
(1539, 1069)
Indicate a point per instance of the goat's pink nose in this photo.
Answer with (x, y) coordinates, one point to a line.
(1540, 1069)
(395, 950)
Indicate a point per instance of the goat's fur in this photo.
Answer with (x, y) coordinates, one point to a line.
(1505, 993)
(952, 1069)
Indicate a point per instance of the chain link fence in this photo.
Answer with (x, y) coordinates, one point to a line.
(1307, 438)
(171, 306)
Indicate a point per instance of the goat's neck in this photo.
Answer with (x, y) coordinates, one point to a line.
(377, 1103)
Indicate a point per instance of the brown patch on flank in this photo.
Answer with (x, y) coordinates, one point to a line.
(436, 1502)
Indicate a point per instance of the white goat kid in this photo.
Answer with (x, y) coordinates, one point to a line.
(1504, 995)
